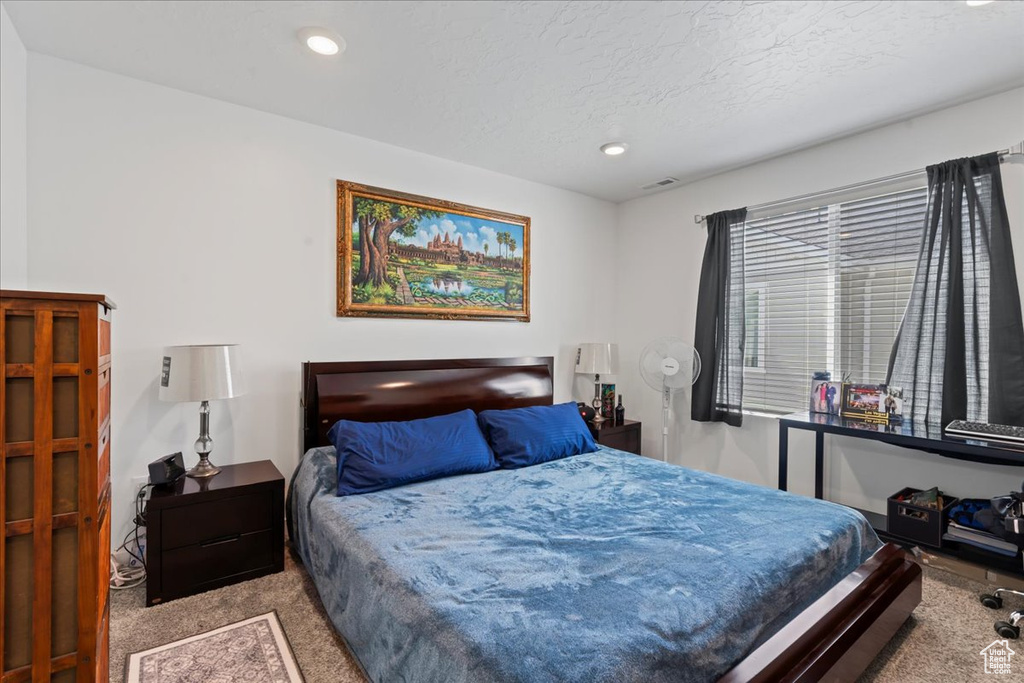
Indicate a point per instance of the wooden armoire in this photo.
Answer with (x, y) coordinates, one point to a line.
(55, 497)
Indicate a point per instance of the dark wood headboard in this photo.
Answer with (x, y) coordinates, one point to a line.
(377, 391)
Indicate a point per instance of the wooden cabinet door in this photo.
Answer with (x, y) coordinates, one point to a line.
(54, 558)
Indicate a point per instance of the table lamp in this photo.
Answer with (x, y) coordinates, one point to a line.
(204, 374)
(595, 359)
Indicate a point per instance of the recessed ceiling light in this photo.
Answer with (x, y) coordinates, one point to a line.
(978, 3)
(614, 149)
(322, 45)
(322, 41)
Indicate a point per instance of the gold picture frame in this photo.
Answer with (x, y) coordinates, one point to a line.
(402, 255)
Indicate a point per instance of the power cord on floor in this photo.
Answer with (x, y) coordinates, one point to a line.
(128, 575)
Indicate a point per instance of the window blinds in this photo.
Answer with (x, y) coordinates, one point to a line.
(825, 289)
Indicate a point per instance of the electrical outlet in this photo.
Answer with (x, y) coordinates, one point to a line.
(140, 483)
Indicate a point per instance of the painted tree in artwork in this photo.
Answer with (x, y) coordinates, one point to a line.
(512, 244)
(487, 248)
(378, 221)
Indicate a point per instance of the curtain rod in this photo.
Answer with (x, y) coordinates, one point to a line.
(1016, 150)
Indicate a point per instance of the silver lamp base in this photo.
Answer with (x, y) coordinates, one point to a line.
(204, 444)
(596, 403)
(204, 468)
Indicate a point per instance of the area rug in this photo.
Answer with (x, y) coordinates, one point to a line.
(254, 650)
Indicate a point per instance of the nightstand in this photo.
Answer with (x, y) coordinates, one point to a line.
(208, 533)
(624, 436)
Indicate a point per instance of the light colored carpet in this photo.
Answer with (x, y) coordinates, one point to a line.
(943, 639)
(941, 642)
(321, 654)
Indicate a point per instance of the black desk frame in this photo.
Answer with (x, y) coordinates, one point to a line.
(902, 435)
(968, 450)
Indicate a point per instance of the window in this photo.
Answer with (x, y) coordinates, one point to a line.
(753, 318)
(826, 289)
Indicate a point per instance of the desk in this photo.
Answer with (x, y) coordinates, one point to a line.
(928, 438)
(922, 437)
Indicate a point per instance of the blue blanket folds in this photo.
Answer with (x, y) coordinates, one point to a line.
(598, 567)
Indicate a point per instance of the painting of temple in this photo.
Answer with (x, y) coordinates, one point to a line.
(411, 257)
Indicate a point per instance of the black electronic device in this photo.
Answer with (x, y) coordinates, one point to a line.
(166, 470)
(586, 412)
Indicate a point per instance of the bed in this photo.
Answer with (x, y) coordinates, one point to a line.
(599, 567)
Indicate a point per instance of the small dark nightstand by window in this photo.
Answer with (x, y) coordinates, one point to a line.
(625, 436)
(208, 533)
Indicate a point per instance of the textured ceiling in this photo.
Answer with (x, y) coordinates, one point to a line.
(532, 89)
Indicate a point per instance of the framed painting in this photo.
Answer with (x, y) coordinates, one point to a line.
(406, 256)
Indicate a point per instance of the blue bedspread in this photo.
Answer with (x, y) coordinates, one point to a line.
(599, 567)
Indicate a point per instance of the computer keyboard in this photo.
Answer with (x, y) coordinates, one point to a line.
(982, 430)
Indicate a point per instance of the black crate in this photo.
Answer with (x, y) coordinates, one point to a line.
(919, 524)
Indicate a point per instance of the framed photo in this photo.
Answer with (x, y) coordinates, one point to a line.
(406, 256)
(826, 396)
(893, 403)
(865, 401)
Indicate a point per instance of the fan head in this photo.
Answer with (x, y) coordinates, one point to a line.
(669, 363)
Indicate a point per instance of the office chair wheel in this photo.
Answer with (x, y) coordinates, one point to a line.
(991, 601)
(1007, 630)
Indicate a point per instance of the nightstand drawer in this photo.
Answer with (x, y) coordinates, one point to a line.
(216, 519)
(186, 569)
(624, 436)
(623, 441)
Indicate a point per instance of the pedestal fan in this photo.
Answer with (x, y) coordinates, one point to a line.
(669, 364)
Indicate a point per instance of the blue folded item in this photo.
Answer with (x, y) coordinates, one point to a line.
(529, 436)
(975, 513)
(373, 456)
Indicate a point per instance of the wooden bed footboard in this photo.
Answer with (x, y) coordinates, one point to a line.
(838, 636)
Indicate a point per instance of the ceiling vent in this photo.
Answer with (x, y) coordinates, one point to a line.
(664, 182)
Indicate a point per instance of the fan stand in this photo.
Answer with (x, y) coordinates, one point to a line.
(660, 361)
(669, 367)
(666, 402)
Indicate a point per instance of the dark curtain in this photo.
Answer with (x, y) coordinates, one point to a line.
(959, 352)
(720, 328)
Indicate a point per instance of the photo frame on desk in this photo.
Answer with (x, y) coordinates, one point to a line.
(894, 403)
(864, 402)
(826, 396)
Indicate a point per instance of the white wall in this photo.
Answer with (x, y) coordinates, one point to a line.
(659, 258)
(207, 222)
(13, 161)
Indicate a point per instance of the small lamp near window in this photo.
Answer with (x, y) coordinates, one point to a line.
(204, 374)
(597, 359)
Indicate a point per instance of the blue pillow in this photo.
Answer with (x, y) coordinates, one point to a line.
(529, 436)
(373, 456)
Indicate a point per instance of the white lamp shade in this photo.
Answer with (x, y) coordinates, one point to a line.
(597, 359)
(201, 373)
